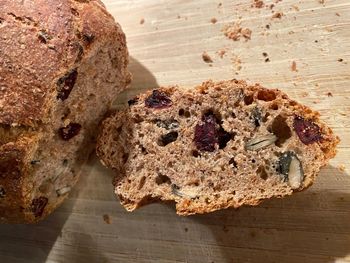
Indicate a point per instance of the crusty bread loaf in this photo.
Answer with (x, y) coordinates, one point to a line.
(61, 65)
(220, 145)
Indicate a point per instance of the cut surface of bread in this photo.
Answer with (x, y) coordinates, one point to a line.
(218, 145)
(64, 64)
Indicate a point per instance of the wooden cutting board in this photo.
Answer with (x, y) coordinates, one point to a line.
(166, 40)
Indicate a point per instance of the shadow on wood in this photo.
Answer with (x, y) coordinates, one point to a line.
(33, 243)
(313, 224)
(142, 80)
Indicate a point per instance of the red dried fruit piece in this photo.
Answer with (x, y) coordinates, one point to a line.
(158, 100)
(69, 131)
(38, 206)
(66, 84)
(205, 135)
(210, 133)
(308, 131)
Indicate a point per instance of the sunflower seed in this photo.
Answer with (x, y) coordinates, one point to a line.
(176, 191)
(290, 166)
(63, 190)
(260, 142)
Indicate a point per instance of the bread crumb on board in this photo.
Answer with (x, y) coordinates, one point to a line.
(213, 20)
(341, 168)
(236, 61)
(293, 67)
(142, 21)
(234, 31)
(206, 58)
(221, 53)
(277, 15)
(107, 219)
(257, 4)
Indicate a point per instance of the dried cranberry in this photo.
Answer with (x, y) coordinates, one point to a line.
(38, 206)
(205, 135)
(307, 130)
(168, 138)
(66, 84)
(69, 131)
(210, 133)
(158, 100)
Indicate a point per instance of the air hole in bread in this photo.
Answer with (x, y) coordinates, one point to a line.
(266, 95)
(184, 113)
(248, 99)
(233, 162)
(162, 179)
(211, 112)
(125, 157)
(74, 12)
(170, 137)
(138, 119)
(262, 173)
(142, 182)
(91, 96)
(281, 129)
(187, 114)
(274, 106)
(195, 153)
(66, 113)
(265, 118)
(224, 137)
(217, 187)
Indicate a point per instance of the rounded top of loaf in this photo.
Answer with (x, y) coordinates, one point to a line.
(40, 42)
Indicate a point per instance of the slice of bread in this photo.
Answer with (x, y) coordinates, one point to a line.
(219, 145)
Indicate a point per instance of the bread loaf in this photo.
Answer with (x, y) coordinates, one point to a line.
(61, 65)
(219, 145)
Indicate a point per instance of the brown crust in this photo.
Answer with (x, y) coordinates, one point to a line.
(53, 34)
(185, 206)
(43, 41)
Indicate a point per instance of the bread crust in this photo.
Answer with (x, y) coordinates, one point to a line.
(40, 42)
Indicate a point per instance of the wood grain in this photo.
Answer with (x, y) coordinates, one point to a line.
(313, 226)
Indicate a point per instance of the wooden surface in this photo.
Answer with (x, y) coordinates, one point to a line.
(313, 226)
